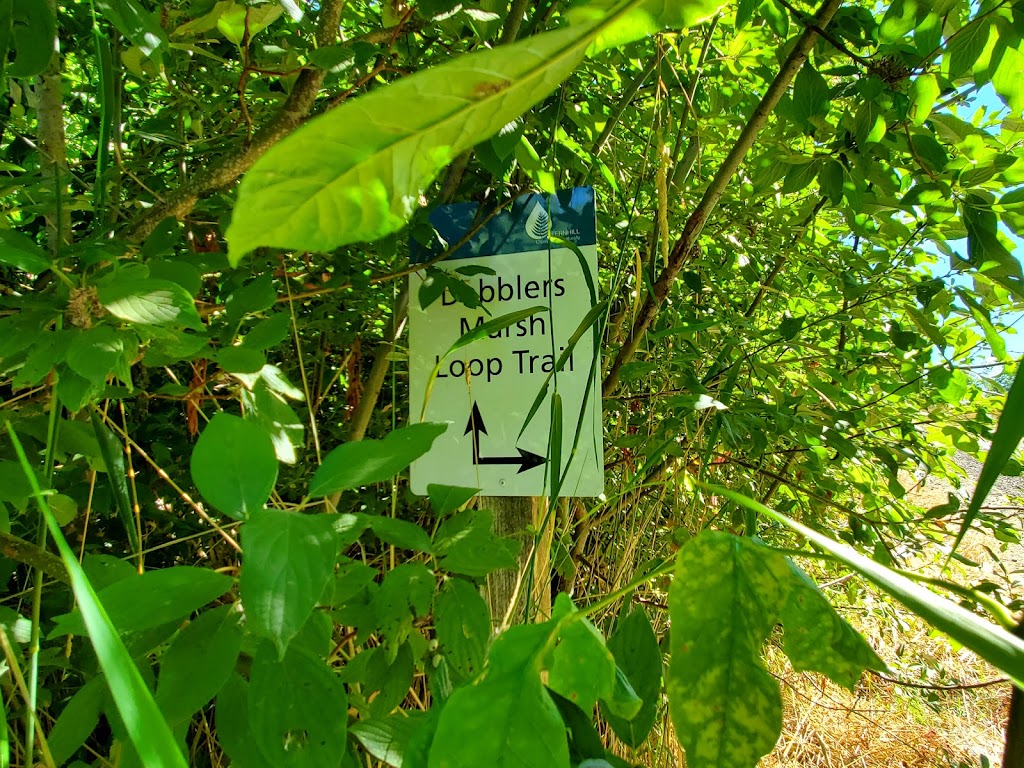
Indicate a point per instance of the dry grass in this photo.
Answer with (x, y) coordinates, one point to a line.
(885, 725)
(882, 724)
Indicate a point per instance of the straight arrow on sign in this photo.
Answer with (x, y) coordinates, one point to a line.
(526, 459)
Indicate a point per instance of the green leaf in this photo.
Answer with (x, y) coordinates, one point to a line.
(98, 352)
(384, 154)
(466, 545)
(198, 663)
(388, 740)
(237, 19)
(869, 126)
(637, 655)
(65, 509)
(819, 639)
(78, 719)
(506, 721)
(155, 598)
(149, 302)
(241, 359)
(288, 563)
(137, 24)
(117, 475)
(930, 152)
(995, 645)
(723, 603)
(234, 733)
(386, 679)
(448, 498)
(269, 332)
(966, 48)
(983, 244)
(582, 669)
(34, 29)
(638, 19)
(364, 462)
(257, 295)
(996, 342)
(162, 239)
(810, 93)
(463, 624)
(234, 465)
(146, 727)
(923, 93)
(20, 252)
(272, 412)
(1007, 79)
(297, 709)
(899, 19)
(405, 594)
(399, 533)
(1009, 433)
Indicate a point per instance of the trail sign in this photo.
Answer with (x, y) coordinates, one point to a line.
(496, 392)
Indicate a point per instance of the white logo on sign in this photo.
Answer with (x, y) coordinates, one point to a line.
(537, 223)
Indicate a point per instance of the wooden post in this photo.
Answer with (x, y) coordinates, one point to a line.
(513, 516)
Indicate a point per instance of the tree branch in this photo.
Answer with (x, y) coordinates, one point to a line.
(25, 552)
(298, 105)
(685, 246)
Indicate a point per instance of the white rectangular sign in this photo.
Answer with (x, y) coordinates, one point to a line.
(486, 389)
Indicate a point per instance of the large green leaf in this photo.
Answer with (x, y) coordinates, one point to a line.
(582, 668)
(198, 663)
(137, 24)
(723, 603)
(994, 644)
(382, 155)
(389, 739)
(297, 709)
(467, 545)
(270, 410)
(463, 624)
(142, 719)
(817, 638)
(639, 19)
(156, 597)
(289, 560)
(635, 648)
(1009, 433)
(405, 593)
(363, 462)
(234, 732)
(34, 30)
(506, 721)
(77, 721)
(20, 252)
(145, 301)
(234, 465)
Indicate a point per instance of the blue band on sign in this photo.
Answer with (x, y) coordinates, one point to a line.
(522, 227)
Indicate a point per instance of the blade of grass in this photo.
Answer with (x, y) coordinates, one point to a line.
(1009, 433)
(994, 644)
(113, 456)
(146, 727)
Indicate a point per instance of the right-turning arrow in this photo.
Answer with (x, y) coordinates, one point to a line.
(526, 459)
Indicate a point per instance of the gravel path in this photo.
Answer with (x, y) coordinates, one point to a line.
(1002, 493)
